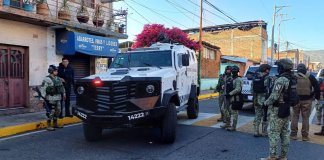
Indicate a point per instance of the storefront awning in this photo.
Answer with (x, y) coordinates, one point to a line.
(69, 43)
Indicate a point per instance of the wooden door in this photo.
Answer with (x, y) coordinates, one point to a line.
(12, 89)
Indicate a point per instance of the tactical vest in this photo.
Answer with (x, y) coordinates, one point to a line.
(303, 84)
(229, 85)
(258, 83)
(57, 87)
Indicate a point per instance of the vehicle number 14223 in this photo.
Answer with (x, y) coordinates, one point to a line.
(136, 116)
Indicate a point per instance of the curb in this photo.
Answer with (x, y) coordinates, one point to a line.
(206, 96)
(12, 130)
(16, 129)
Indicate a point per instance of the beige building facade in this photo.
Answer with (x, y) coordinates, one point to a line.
(247, 39)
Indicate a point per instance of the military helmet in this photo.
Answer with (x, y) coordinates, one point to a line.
(285, 64)
(52, 68)
(228, 68)
(264, 67)
(235, 69)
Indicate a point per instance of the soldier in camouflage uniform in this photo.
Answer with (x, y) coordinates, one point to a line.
(318, 107)
(52, 88)
(279, 127)
(260, 86)
(220, 89)
(233, 87)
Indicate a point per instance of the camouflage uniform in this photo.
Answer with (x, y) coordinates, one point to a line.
(237, 83)
(227, 104)
(221, 98)
(53, 99)
(279, 127)
(318, 107)
(258, 107)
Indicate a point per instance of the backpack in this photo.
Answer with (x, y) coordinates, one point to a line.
(229, 86)
(290, 95)
(238, 102)
(303, 84)
(258, 83)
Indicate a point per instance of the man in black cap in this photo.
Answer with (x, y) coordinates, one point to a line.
(307, 90)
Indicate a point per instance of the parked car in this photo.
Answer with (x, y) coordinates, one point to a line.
(247, 81)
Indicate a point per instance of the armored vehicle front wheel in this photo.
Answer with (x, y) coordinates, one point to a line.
(92, 132)
(193, 108)
(169, 124)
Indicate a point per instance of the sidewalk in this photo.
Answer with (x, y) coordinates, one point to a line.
(20, 123)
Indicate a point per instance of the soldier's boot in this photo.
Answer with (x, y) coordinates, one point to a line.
(256, 131)
(264, 128)
(233, 127)
(221, 119)
(320, 133)
(56, 125)
(225, 125)
(49, 126)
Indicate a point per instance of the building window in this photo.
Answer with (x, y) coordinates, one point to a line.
(206, 55)
(212, 55)
(209, 54)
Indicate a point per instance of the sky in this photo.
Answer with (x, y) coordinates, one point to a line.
(302, 22)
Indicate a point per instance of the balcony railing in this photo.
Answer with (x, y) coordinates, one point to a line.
(113, 20)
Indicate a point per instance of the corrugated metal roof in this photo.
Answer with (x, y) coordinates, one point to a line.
(235, 59)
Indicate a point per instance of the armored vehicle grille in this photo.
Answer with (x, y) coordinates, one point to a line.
(113, 96)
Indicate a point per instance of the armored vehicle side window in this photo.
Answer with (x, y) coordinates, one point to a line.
(143, 59)
(180, 60)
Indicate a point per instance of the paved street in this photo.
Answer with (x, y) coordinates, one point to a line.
(196, 139)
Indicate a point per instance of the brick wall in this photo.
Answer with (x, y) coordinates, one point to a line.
(236, 42)
(210, 67)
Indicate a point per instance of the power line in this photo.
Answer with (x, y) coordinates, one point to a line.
(134, 19)
(181, 12)
(221, 11)
(137, 12)
(189, 11)
(210, 11)
(159, 14)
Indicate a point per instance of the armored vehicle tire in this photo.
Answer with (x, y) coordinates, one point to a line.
(92, 132)
(193, 108)
(168, 125)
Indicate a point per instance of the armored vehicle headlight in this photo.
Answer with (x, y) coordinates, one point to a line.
(80, 90)
(150, 89)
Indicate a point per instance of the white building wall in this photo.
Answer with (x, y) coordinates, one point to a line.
(40, 42)
(52, 57)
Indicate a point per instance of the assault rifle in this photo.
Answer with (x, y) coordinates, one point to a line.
(46, 104)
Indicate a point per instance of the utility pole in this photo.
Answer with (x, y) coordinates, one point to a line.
(287, 49)
(281, 15)
(276, 10)
(200, 43)
(281, 20)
